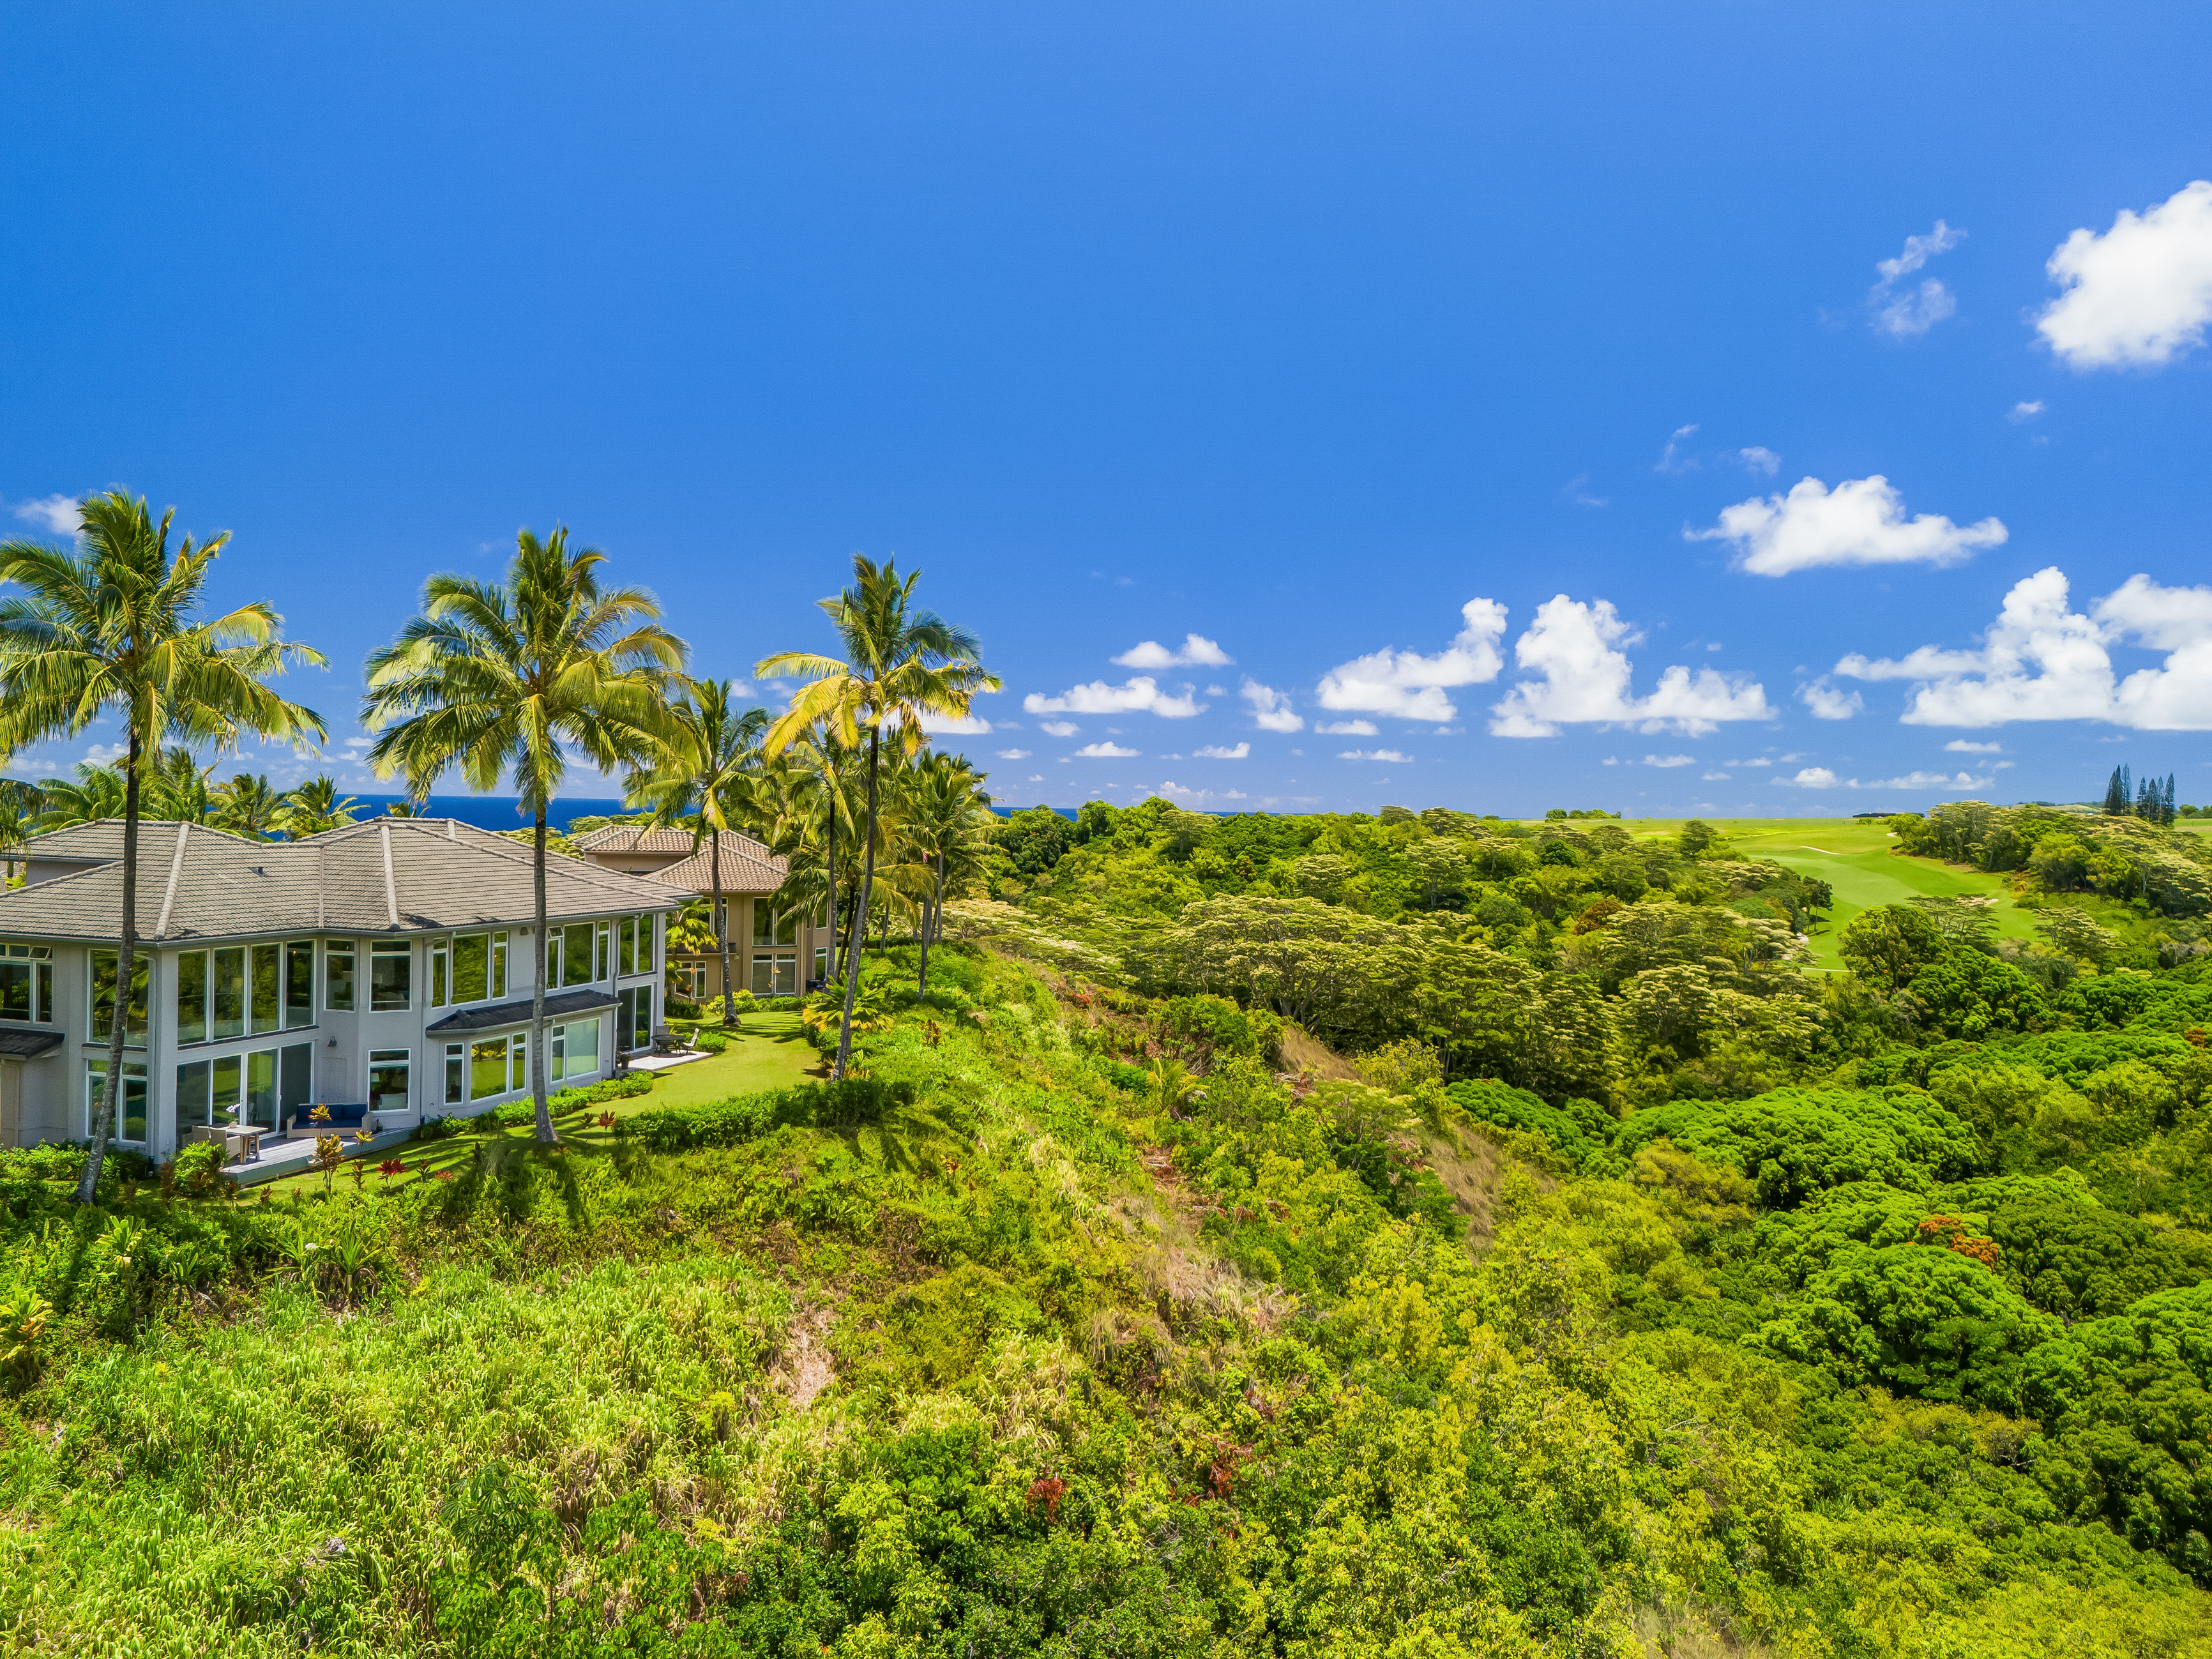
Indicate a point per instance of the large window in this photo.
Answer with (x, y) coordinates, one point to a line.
(479, 967)
(267, 1087)
(390, 977)
(26, 983)
(769, 928)
(569, 953)
(387, 1081)
(130, 1108)
(634, 1017)
(775, 973)
(218, 990)
(337, 976)
(103, 998)
(488, 1068)
(575, 1049)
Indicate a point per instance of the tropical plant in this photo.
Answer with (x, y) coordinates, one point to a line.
(900, 664)
(315, 806)
(246, 805)
(106, 628)
(947, 826)
(502, 679)
(703, 777)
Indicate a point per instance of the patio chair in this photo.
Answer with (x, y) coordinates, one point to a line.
(664, 1041)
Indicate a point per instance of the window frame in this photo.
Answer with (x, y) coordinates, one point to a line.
(402, 952)
(141, 999)
(345, 948)
(37, 962)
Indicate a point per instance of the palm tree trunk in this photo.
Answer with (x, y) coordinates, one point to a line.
(538, 989)
(928, 920)
(103, 1123)
(722, 934)
(830, 773)
(867, 881)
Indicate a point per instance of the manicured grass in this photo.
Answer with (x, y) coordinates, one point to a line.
(1853, 857)
(769, 1051)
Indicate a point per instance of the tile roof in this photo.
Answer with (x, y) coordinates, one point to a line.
(747, 865)
(386, 875)
(559, 1006)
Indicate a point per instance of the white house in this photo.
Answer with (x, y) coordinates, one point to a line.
(385, 966)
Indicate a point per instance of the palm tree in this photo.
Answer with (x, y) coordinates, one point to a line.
(704, 776)
(500, 679)
(246, 805)
(95, 795)
(901, 663)
(176, 786)
(107, 627)
(948, 822)
(315, 806)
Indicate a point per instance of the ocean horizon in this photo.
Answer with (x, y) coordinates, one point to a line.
(495, 812)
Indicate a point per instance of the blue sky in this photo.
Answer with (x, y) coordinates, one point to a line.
(1450, 372)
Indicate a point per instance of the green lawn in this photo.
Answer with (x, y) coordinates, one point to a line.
(769, 1051)
(1853, 857)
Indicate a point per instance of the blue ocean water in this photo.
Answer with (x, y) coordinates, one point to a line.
(494, 812)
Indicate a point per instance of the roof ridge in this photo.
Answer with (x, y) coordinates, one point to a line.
(491, 840)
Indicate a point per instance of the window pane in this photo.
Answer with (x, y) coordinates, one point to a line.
(456, 1073)
(387, 1082)
(230, 993)
(103, 996)
(583, 1046)
(129, 1105)
(626, 949)
(337, 977)
(261, 1088)
(226, 1075)
(518, 1061)
(469, 966)
(576, 954)
(299, 983)
(763, 922)
(192, 1098)
(488, 1069)
(391, 979)
(265, 963)
(43, 986)
(763, 976)
(438, 988)
(787, 976)
(603, 964)
(191, 996)
(296, 1076)
(14, 990)
(499, 964)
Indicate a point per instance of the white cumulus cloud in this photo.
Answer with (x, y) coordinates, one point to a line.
(1107, 750)
(1968, 747)
(57, 513)
(1270, 710)
(1372, 755)
(956, 726)
(2140, 294)
(1861, 521)
(1409, 686)
(1758, 458)
(1140, 695)
(1348, 728)
(1196, 650)
(1827, 703)
(1813, 777)
(2043, 660)
(1819, 777)
(2024, 411)
(1669, 760)
(1013, 754)
(1585, 680)
(1199, 797)
(1215, 752)
(1907, 315)
(1059, 728)
(1712, 777)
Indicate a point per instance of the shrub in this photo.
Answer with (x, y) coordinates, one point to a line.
(199, 1170)
(713, 1042)
(748, 1117)
(683, 1008)
(1577, 1130)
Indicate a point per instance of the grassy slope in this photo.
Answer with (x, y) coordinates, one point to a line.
(1853, 857)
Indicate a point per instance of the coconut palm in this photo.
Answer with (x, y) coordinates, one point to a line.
(94, 795)
(107, 627)
(499, 680)
(246, 805)
(900, 664)
(948, 824)
(315, 806)
(704, 777)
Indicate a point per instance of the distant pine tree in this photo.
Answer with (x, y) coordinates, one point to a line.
(2147, 798)
(2166, 806)
(2117, 805)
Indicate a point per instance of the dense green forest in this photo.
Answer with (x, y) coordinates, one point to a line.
(1407, 1235)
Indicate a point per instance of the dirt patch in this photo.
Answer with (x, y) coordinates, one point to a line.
(1299, 1051)
(1473, 1168)
(803, 1370)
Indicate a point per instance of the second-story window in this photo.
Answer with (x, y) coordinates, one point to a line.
(569, 954)
(769, 928)
(337, 975)
(391, 975)
(104, 965)
(298, 982)
(441, 985)
(26, 983)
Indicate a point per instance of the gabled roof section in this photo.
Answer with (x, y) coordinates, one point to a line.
(748, 866)
(381, 876)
